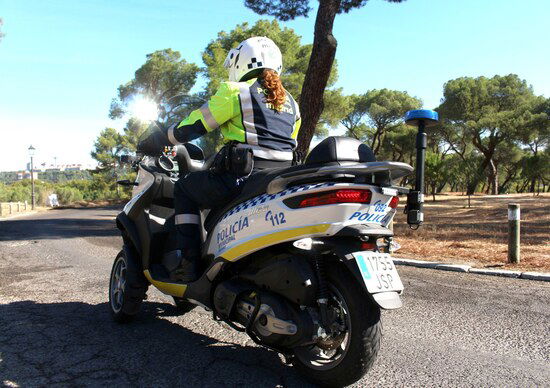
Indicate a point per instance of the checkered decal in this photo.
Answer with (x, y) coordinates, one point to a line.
(261, 199)
(254, 63)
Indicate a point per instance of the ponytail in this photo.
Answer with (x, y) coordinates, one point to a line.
(275, 93)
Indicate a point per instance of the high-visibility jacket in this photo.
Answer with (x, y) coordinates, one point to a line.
(240, 110)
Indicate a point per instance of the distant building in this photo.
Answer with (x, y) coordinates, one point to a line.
(45, 167)
(26, 175)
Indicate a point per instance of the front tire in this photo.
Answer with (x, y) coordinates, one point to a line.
(346, 363)
(127, 288)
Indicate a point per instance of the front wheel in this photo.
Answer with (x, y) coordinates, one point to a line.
(345, 356)
(127, 288)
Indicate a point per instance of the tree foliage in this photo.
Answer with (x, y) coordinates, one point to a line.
(377, 112)
(488, 112)
(164, 78)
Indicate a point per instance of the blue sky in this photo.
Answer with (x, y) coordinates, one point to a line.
(61, 61)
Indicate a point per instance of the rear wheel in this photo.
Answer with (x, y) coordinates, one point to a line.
(127, 288)
(344, 356)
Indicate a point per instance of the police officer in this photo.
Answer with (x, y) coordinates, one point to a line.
(254, 111)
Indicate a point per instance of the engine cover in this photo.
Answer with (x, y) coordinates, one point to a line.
(289, 276)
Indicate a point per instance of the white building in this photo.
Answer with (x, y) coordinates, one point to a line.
(26, 175)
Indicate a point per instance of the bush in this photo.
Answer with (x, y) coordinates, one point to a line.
(97, 189)
(68, 195)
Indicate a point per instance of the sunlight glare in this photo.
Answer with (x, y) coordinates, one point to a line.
(144, 109)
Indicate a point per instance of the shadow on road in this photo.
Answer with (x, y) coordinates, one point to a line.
(92, 222)
(77, 343)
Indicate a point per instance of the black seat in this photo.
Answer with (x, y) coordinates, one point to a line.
(340, 149)
(334, 150)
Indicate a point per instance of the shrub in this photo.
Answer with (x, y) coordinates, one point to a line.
(68, 195)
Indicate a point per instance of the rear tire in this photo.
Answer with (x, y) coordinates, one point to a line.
(363, 336)
(127, 288)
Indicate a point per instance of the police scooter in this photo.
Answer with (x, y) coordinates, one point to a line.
(300, 260)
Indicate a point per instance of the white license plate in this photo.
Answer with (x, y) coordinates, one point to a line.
(378, 271)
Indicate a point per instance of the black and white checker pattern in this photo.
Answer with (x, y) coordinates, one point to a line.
(254, 63)
(261, 199)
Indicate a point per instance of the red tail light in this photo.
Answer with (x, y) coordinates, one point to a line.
(394, 202)
(339, 196)
(368, 246)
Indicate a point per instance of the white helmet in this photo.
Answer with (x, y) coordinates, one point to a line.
(254, 53)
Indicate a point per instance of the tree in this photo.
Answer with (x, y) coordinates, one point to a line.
(436, 172)
(382, 110)
(489, 111)
(400, 144)
(353, 121)
(508, 157)
(295, 62)
(536, 136)
(166, 79)
(107, 150)
(322, 54)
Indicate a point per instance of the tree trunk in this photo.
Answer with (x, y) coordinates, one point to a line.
(533, 183)
(376, 141)
(493, 177)
(471, 187)
(318, 72)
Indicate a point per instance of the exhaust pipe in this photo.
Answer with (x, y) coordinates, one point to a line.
(422, 119)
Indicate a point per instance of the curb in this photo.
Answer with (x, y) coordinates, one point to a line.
(529, 275)
(497, 272)
(542, 276)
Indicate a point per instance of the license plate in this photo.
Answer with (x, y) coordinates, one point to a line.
(378, 271)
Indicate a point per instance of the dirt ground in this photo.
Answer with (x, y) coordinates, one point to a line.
(478, 236)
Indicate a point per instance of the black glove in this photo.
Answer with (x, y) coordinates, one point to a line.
(154, 143)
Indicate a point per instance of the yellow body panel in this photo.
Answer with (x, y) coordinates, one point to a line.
(274, 238)
(173, 289)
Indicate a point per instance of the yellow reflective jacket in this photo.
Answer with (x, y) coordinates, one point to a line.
(240, 111)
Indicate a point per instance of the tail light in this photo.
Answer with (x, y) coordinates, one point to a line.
(338, 196)
(394, 202)
(368, 246)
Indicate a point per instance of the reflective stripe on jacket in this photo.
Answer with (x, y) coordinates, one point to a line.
(241, 112)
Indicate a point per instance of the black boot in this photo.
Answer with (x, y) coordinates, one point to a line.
(188, 269)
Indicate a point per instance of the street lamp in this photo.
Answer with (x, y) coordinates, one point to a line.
(31, 154)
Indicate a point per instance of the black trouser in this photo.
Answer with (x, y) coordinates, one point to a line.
(205, 189)
(201, 189)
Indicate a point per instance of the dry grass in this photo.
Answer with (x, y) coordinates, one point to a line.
(478, 235)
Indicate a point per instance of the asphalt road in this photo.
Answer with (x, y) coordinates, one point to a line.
(454, 329)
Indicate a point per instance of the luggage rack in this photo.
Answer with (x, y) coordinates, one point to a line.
(395, 170)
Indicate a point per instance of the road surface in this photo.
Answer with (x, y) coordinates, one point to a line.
(454, 329)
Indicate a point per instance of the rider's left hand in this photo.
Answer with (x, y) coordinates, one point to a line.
(154, 143)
